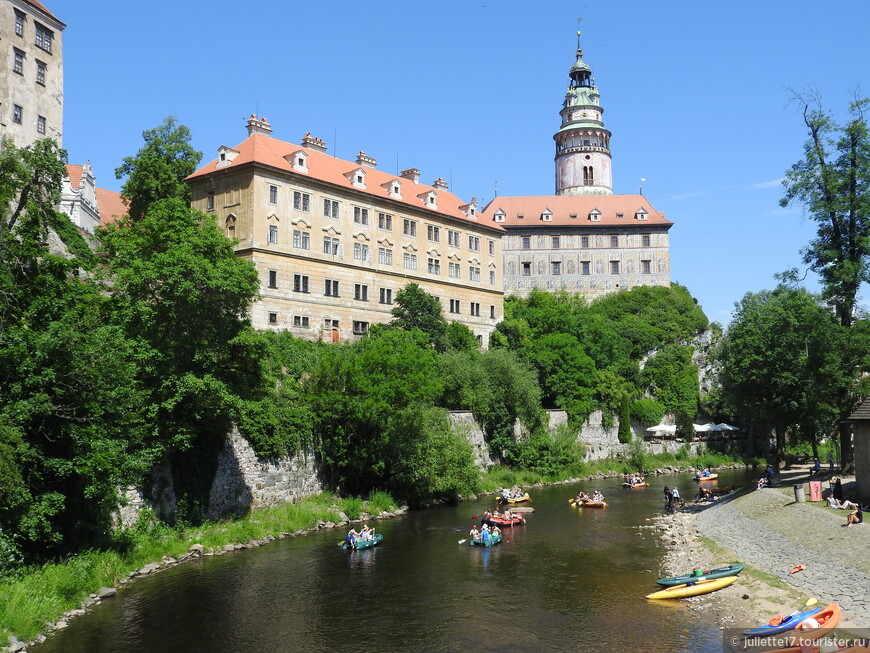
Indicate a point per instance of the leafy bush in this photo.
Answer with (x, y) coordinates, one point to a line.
(549, 455)
(647, 411)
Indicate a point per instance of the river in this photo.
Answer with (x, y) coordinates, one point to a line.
(569, 580)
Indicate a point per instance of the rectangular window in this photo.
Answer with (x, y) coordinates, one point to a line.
(644, 240)
(330, 245)
(492, 248)
(584, 267)
(385, 221)
(360, 215)
(556, 267)
(409, 227)
(273, 318)
(40, 73)
(360, 328)
(491, 311)
(492, 277)
(453, 270)
(385, 256)
(301, 239)
(410, 261)
(273, 194)
(527, 242)
(452, 238)
(434, 266)
(556, 242)
(40, 124)
(614, 267)
(19, 24)
(18, 63)
(454, 306)
(273, 278)
(330, 287)
(361, 292)
(526, 269)
(301, 201)
(475, 309)
(17, 113)
(209, 201)
(474, 243)
(43, 37)
(300, 320)
(300, 283)
(584, 242)
(273, 234)
(433, 233)
(360, 252)
(614, 241)
(473, 274)
(386, 296)
(330, 208)
(645, 267)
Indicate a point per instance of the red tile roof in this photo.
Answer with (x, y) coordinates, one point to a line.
(266, 150)
(74, 173)
(110, 205)
(564, 206)
(41, 7)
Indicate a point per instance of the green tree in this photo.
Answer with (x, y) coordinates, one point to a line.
(417, 309)
(159, 168)
(179, 291)
(567, 374)
(460, 337)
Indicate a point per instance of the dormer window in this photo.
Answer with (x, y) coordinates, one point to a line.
(393, 188)
(620, 215)
(499, 216)
(429, 199)
(226, 156)
(641, 214)
(547, 215)
(595, 215)
(357, 178)
(298, 160)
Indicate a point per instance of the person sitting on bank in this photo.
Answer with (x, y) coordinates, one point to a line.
(854, 517)
(704, 494)
(474, 534)
(817, 467)
(762, 482)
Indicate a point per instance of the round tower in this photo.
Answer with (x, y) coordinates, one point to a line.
(583, 163)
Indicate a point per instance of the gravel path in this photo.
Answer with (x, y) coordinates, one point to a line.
(767, 529)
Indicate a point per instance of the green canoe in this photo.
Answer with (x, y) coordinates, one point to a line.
(709, 574)
(493, 540)
(365, 544)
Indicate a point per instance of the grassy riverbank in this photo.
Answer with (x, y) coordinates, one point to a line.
(36, 596)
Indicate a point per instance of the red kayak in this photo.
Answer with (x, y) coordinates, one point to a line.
(501, 522)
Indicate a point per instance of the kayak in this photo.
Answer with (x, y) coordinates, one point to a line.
(504, 523)
(787, 624)
(709, 477)
(635, 486)
(591, 504)
(692, 589)
(718, 572)
(492, 541)
(855, 648)
(525, 497)
(365, 544)
(820, 624)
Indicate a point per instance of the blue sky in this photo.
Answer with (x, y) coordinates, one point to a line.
(695, 94)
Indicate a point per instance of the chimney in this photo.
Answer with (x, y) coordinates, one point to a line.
(364, 159)
(411, 173)
(313, 143)
(440, 183)
(258, 125)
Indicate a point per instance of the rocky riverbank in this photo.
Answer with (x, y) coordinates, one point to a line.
(771, 533)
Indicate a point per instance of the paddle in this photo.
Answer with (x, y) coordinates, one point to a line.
(572, 500)
(463, 541)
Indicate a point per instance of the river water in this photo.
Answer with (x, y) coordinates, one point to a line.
(569, 580)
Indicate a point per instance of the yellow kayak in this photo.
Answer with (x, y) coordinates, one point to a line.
(693, 589)
(525, 497)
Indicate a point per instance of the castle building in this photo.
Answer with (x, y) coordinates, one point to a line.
(31, 85)
(333, 240)
(584, 239)
(88, 206)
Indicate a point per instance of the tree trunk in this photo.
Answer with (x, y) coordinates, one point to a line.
(847, 457)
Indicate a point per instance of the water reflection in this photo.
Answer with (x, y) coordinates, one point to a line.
(570, 579)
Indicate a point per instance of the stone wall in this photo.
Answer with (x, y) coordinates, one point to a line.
(464, 422)
(243, 480)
